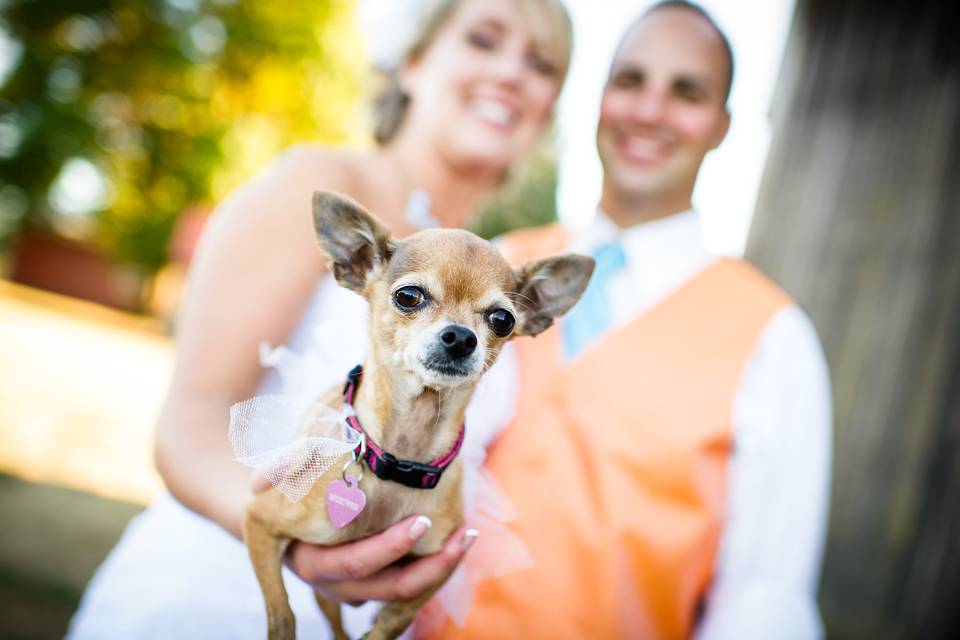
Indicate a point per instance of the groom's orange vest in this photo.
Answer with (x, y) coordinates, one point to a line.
(617, 463)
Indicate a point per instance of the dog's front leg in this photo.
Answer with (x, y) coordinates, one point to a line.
(266, 553)
(331, 611)
(396, 616)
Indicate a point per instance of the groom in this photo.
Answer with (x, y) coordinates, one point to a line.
(669, 456)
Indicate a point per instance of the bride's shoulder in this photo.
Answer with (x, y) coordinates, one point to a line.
(282, 193)
(313, 166)
(365, 175)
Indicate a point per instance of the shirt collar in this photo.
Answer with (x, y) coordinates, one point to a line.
(671, 243)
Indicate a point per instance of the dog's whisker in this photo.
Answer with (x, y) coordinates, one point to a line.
(436, 423)
(518, 298)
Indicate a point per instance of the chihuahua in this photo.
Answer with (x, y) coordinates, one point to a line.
(442, 304)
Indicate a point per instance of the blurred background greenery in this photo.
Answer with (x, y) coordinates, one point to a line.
(120, 119)
(120, 115)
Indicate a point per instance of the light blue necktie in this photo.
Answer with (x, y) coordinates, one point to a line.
(591, 315)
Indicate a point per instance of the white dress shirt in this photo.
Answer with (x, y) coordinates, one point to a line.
(765, 579)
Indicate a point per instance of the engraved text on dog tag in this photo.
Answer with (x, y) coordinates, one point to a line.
(345, 501)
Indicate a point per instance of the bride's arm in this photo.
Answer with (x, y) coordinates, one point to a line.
(254, 272)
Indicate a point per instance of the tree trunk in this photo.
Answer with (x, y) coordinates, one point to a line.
(859, 218)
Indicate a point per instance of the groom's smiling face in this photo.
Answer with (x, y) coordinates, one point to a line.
(664, 106)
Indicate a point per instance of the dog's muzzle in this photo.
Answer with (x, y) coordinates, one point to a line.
(451, 354)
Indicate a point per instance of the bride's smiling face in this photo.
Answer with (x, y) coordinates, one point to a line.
(484, 89)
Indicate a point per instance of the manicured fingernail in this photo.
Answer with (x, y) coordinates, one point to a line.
(469, 537)
(419, 527)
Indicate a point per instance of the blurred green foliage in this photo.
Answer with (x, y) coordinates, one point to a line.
(528, 199)
(174, 102)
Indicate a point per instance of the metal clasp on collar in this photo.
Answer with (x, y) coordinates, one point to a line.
(356, 459)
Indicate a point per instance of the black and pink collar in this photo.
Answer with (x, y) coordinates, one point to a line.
(385, 465)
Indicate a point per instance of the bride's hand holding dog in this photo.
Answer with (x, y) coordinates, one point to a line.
(367, 569)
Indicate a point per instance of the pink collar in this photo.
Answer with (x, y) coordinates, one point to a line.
(385, 465)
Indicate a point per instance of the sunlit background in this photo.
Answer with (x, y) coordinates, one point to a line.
(121, 125)
(124, 122)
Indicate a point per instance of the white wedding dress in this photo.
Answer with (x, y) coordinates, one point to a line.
(174, 574)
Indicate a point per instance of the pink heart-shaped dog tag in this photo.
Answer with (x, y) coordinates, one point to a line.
(345, 501)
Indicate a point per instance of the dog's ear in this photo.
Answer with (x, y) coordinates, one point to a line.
(357, 244)
(548, 288)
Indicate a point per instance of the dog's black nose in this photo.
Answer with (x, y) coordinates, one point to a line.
(458, 341)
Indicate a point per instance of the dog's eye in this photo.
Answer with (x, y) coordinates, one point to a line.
(409, 298)
(501, 321)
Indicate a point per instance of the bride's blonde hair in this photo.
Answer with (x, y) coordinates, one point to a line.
(547, 19)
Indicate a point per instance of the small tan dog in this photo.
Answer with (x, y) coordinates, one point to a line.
(442, 304)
